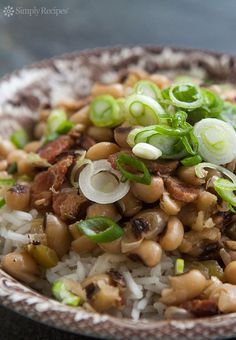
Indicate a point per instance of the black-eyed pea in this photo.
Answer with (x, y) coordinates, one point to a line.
(102, 150)
(81, 116)
(149, 193)
(100, 134)
(149, 252)
(173, 236)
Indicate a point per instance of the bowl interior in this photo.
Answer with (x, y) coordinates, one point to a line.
(68, 78)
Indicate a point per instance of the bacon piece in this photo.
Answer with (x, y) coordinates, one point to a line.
(180, 190)
(69, 205)
(52, 179)
(86, 142)
(200, 307)
(53, 149)
(162, 167)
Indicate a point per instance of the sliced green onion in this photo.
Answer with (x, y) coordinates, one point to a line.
(123, 160)
(185, 95)
(62, 294)
(51, 137)
(56, 118)
(146, 151)
(189, 161)
(179, 266)
(7, 181)
(143, 110)
(65, 127)
(147, 88)
(228, 114)
(12, 169)
(202, 173)
(225, 190)
(100, 229)
(216, 140)
(19, 138)
(2, 202)
(105, 111)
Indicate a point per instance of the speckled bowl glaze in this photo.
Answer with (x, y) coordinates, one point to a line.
(71, 77)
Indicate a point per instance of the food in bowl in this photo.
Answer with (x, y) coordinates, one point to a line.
(123, 202)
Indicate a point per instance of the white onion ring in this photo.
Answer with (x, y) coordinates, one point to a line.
(91, 192)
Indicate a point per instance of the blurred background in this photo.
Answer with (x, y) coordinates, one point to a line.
(24, 39)
(31, 30)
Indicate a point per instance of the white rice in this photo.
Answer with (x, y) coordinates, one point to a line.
(144, 284)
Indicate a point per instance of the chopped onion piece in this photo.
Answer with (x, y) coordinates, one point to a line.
(100, 183)
(146, 151)
(216, 140)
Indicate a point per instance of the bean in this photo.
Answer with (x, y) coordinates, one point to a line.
(149, 193)
(39, 130)
(43, 255)
(21, 266)
(58, 235)
(32, 146)
(129, 205)
(100, 134)
(169, 205)
(6, 147)
(102, 150)
(173, 236)
(121, 135)
(83, 245)
(115, 90)
(107, 210)
(81, 116)
(149, 252)
(18, 197)
(230, 272)
(188, 175)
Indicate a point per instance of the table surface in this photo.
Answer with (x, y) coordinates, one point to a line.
(26, 38)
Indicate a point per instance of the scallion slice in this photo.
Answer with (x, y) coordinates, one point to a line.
(2, 202)
(216, 140)
(146, 151)
(190, 161)
(123, 160)
(7, 181)
(105, 111)
(19, 138)
(143, 110)
(179, 266)
(12, 169)
(100, 229)
(147, 88)
(62, 294)
(185, 95)
(56, 118)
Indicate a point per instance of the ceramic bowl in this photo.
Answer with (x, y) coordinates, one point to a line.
(71, 77)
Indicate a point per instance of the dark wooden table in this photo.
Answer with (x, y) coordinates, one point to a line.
(25, 39)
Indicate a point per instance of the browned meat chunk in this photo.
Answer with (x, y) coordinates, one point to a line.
(180, 190)
(201, 307)
(69, 205)
(53, 149)
(86, 142)
(162, 167)
(48, 181)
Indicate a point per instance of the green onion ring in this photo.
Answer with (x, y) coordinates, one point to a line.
(100, 229)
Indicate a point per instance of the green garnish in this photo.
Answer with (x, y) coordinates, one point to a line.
(194, 160)
(7, 181)
(124, 160)
(2, 202)
(147, 88)
(100, 229)
(179, 266)
(143, 110)
(57, 124)
(105, 111)
(19, 138)
(62, 294)
(184, 95)
(12, 169)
